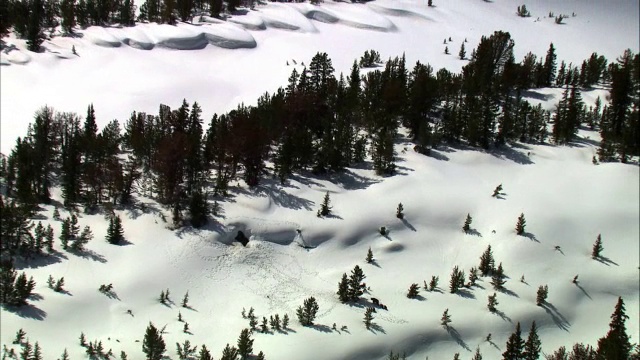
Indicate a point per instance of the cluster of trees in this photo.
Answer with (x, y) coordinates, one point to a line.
(351, 288)
(15, 288)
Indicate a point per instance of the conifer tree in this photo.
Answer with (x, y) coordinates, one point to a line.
(253, 321)
(20, 334)
(433, 284)
(325, 208)
(185, 300)
(245, 344)
(413, 291)
(307, 312)
(115, 233)
(520, 225)
(492, 302)
(285, 321)
(597, 248)
(456, 280)
(260, 356)
(198, 209)
(532, 346)
(487, 262)
(83, 239)
(497, 190)
(369, 258)
(204, 353)
(65, 355)
(27, 351)
(153, 345)
(541, 295)
(466, 227)
(229, 353)
(264, 327)
(615, 345)
(399, 210)
(514, 346)
(35, 37)
(49, 238)
(65, 233)
(368, 317)
(446, 50)
(462, 53)
(446, 318)
(477, 355)
(356, 287)
(185, 351)
(343, 289)
(497, 278)
(473, 276)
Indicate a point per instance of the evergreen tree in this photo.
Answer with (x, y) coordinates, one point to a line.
(204, 353)
(356, 287)
(615, 345)
(541, 295)
(492, 302)
(153, 345)
(198, 209)
(368, 317)
(245, 344)
(433, 284)
(466, 227)
(456, 281)
(413, 291)
(477, 355)
(520, 225)
(399, 210)
(597, 248)
(497, 278)
(65, 233)
(446, 318)
(229, 353)
(185, 351)
(549, 67)
(27, 351)
(343, 289)
(185, 300)
(487, 262)
(67, 8)
(515, 346)
(497, 190)
(462, 53)
(260, 356)
(35, 37)
(65, 355)
(369, 258)
(83, 239)
(285, 321)
(473, 276)
(115, 233)
(307, 313)
(325, 208)
(532, 346)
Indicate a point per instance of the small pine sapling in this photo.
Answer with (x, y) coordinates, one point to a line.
(492, 302)
(399, 213)
(477, 355)
(466, 227)
(369, 258)
(521, 224)
(260, 356)
(413, 291)
(83, 340)
(185, 300)
(276, 322)
(123, 355)
(497, 190)
(463, 52)
(180, 316)
(20, 334)
(445, 320)
(473, 276)
(244, 313)
(497, 278)
(575, 280)
(325, 208)
(285, 321)
(163, 297)
(522, 280)
(56, 214)
(456, 356)
(383, 230)
(50, 282)
(433, 284)
(368, 317)
(430, 3)
(65, 355)
(185, 328)
(446, 50)
(541, 296)
(597, 247)
(59, 286)
(264, 327)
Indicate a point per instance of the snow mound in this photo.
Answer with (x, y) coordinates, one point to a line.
(286, 17)
(357, 17)
(250, 21)
(13, 55)
(229, 36)
(102, 37)
(398, 10)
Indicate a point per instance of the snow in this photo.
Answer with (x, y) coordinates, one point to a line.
(567, 200)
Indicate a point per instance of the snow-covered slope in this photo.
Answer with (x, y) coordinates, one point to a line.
(567, 200)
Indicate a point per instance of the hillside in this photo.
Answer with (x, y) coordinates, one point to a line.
(292, 253)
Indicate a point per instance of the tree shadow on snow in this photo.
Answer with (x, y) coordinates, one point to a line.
(91, 255)
(605, 260)
(557, 317)
(584, 291)
(408, 224)
(465, 294)
(508, 292)
(530, 236)
(456, 336)
(503, 316)
(375, 328)
(321, 328)
(474, 232)
(437, 155)
(28, 311)
(39, 261)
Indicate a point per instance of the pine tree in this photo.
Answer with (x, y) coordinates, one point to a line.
(541, 295)
(59, 286)
(115, 233)
(27, 350)
(49, 238)
(399, 210)
(462, 53)
(153, 345)
(229, 353)
(264, 327)
(245, 344)
(413, 291)
(285, 321)
(20, 334)
(466, 227)
(65, 234)
(253, 321)
(37, 352)
(260, 356)
(185, 328)
(343, 289)
(477, 355)
(446, 318)
(487, 262)
(446, 50)
(520, 225)
(123, 355)
(65, 355)
(83, 239)
(456, 281)
(369, 258)
(185, 300)
(597, 248)
(198, 209)
(204, 354)
(497, 278)
(473, 276)
(356, 287)
(83, 340)
(35, 37)
(185, 351)
(615, 345)
(368, 317)
(325, 208)
(514, 346)
(433, 284)
(532, 346)
(497, 190)
(307, 313)
(492, 302)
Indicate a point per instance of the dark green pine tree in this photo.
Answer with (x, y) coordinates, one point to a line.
(229, 353)
(356, 287)
(65, 233)
(215, 7)
(399, 211)
(307, 313)
(204, 353)
(369, 258)
(615, 345)
(520, 225)
(368, 317)
(325, 208)
(597, 247)
(245, 344)
(343, 289)
(68, 10)
(153, 345)
(532, 345)
(413, 291)
(115, 233)
(549, 67)
(497, 278)
(467, 224)
(198, 208)
(35, 36)
(515, 346)
(487, 262)
(462, 53)
(492, 302)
